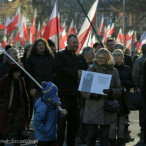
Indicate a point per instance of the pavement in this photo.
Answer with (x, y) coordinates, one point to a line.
(134, 127)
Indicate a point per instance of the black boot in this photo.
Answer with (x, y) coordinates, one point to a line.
(113, 142)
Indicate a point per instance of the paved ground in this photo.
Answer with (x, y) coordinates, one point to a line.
(134, 127)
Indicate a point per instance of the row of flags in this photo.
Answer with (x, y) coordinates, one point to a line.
(53, 27)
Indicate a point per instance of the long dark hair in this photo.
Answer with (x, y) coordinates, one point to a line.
(33, 48)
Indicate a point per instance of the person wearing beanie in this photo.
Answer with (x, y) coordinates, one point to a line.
(14, 103)
(46, 111)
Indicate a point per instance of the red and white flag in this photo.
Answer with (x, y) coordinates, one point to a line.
(4, 41)
(120, 37)
(12, 25)
(142, 41)
(134, 37)
(71, 28)
(51, 28)
(128, 42)
(2, 26)
(93, 41)
(63, 40)
(104, 40)
(39, 31)
(43, 28)
(32, 28)
(86, 27)
(75, 30)
(112, 29)
(11, 40)
(101, 26)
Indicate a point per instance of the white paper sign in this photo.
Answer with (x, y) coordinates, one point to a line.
(94, 82)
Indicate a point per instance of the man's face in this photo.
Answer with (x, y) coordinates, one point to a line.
(110, 46)
(14, 55)
(73, 44)
(16, 74)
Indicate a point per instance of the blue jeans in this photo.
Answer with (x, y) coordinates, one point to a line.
(93, 130)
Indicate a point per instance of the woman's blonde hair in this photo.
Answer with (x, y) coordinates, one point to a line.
(107, 54)
(119, 50)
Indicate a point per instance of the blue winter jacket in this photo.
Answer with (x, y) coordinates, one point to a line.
(45, 120)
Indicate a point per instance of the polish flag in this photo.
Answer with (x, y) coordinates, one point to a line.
(2, 26)
(11, 40)
(51, 28)
(120, 37)
(101, 26)
(107, 31)
(75, 30)
(128, 42)
(32, 28)
(86, 27)
(71, 28)
(4, 40)
(112, 29)
(43, 28)
(93, 41)
(12, 25)
(105, 35)
(142, 41)
(134, 37)
(39, 31)
(63, 40)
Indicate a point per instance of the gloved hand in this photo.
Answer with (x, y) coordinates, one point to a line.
(109, 92)
(95, 96)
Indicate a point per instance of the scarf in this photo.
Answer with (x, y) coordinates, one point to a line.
(103, 68)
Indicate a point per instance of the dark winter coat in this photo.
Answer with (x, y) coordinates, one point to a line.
(128, 60)
(40, 67)
(20, 104)
(67, 66)
(4, 67)
(127, 83)
(144, 77)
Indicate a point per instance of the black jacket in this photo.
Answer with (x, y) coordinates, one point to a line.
(41, 67)
(128, 60)
(4, 67)
(67, 66)
(127, 83)
(144, 76)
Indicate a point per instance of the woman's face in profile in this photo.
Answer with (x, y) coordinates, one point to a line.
(101, 59)
(40, 47)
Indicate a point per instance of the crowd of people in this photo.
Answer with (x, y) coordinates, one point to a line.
(58, 111)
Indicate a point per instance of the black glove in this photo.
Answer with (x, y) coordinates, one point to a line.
(109, 92)
(95, 96)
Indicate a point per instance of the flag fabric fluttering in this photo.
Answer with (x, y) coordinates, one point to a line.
(32, 28)
(134, 37)
(86, 27)
(101, 26)
(51, 28)
(2, 26)
(39, 31)
(120, 37)
(71, 28)
(14, 22)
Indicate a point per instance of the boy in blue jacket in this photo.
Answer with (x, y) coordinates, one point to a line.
(46, 112)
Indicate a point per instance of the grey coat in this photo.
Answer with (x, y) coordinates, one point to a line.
(94, 109)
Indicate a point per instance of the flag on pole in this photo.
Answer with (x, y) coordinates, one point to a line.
(71, 28)
(101, 26)
(39, 31)
(11, 40)
(32, 28)
(134, 37)
(112, 29)
(105, 35)
(51, 28)
(86, 27)
(12, 25)
(2, 26)
(43, 28)
(120, 37)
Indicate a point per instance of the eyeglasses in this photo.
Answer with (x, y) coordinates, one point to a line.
(116, 55)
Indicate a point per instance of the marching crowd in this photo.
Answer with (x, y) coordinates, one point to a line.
(60, 112)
